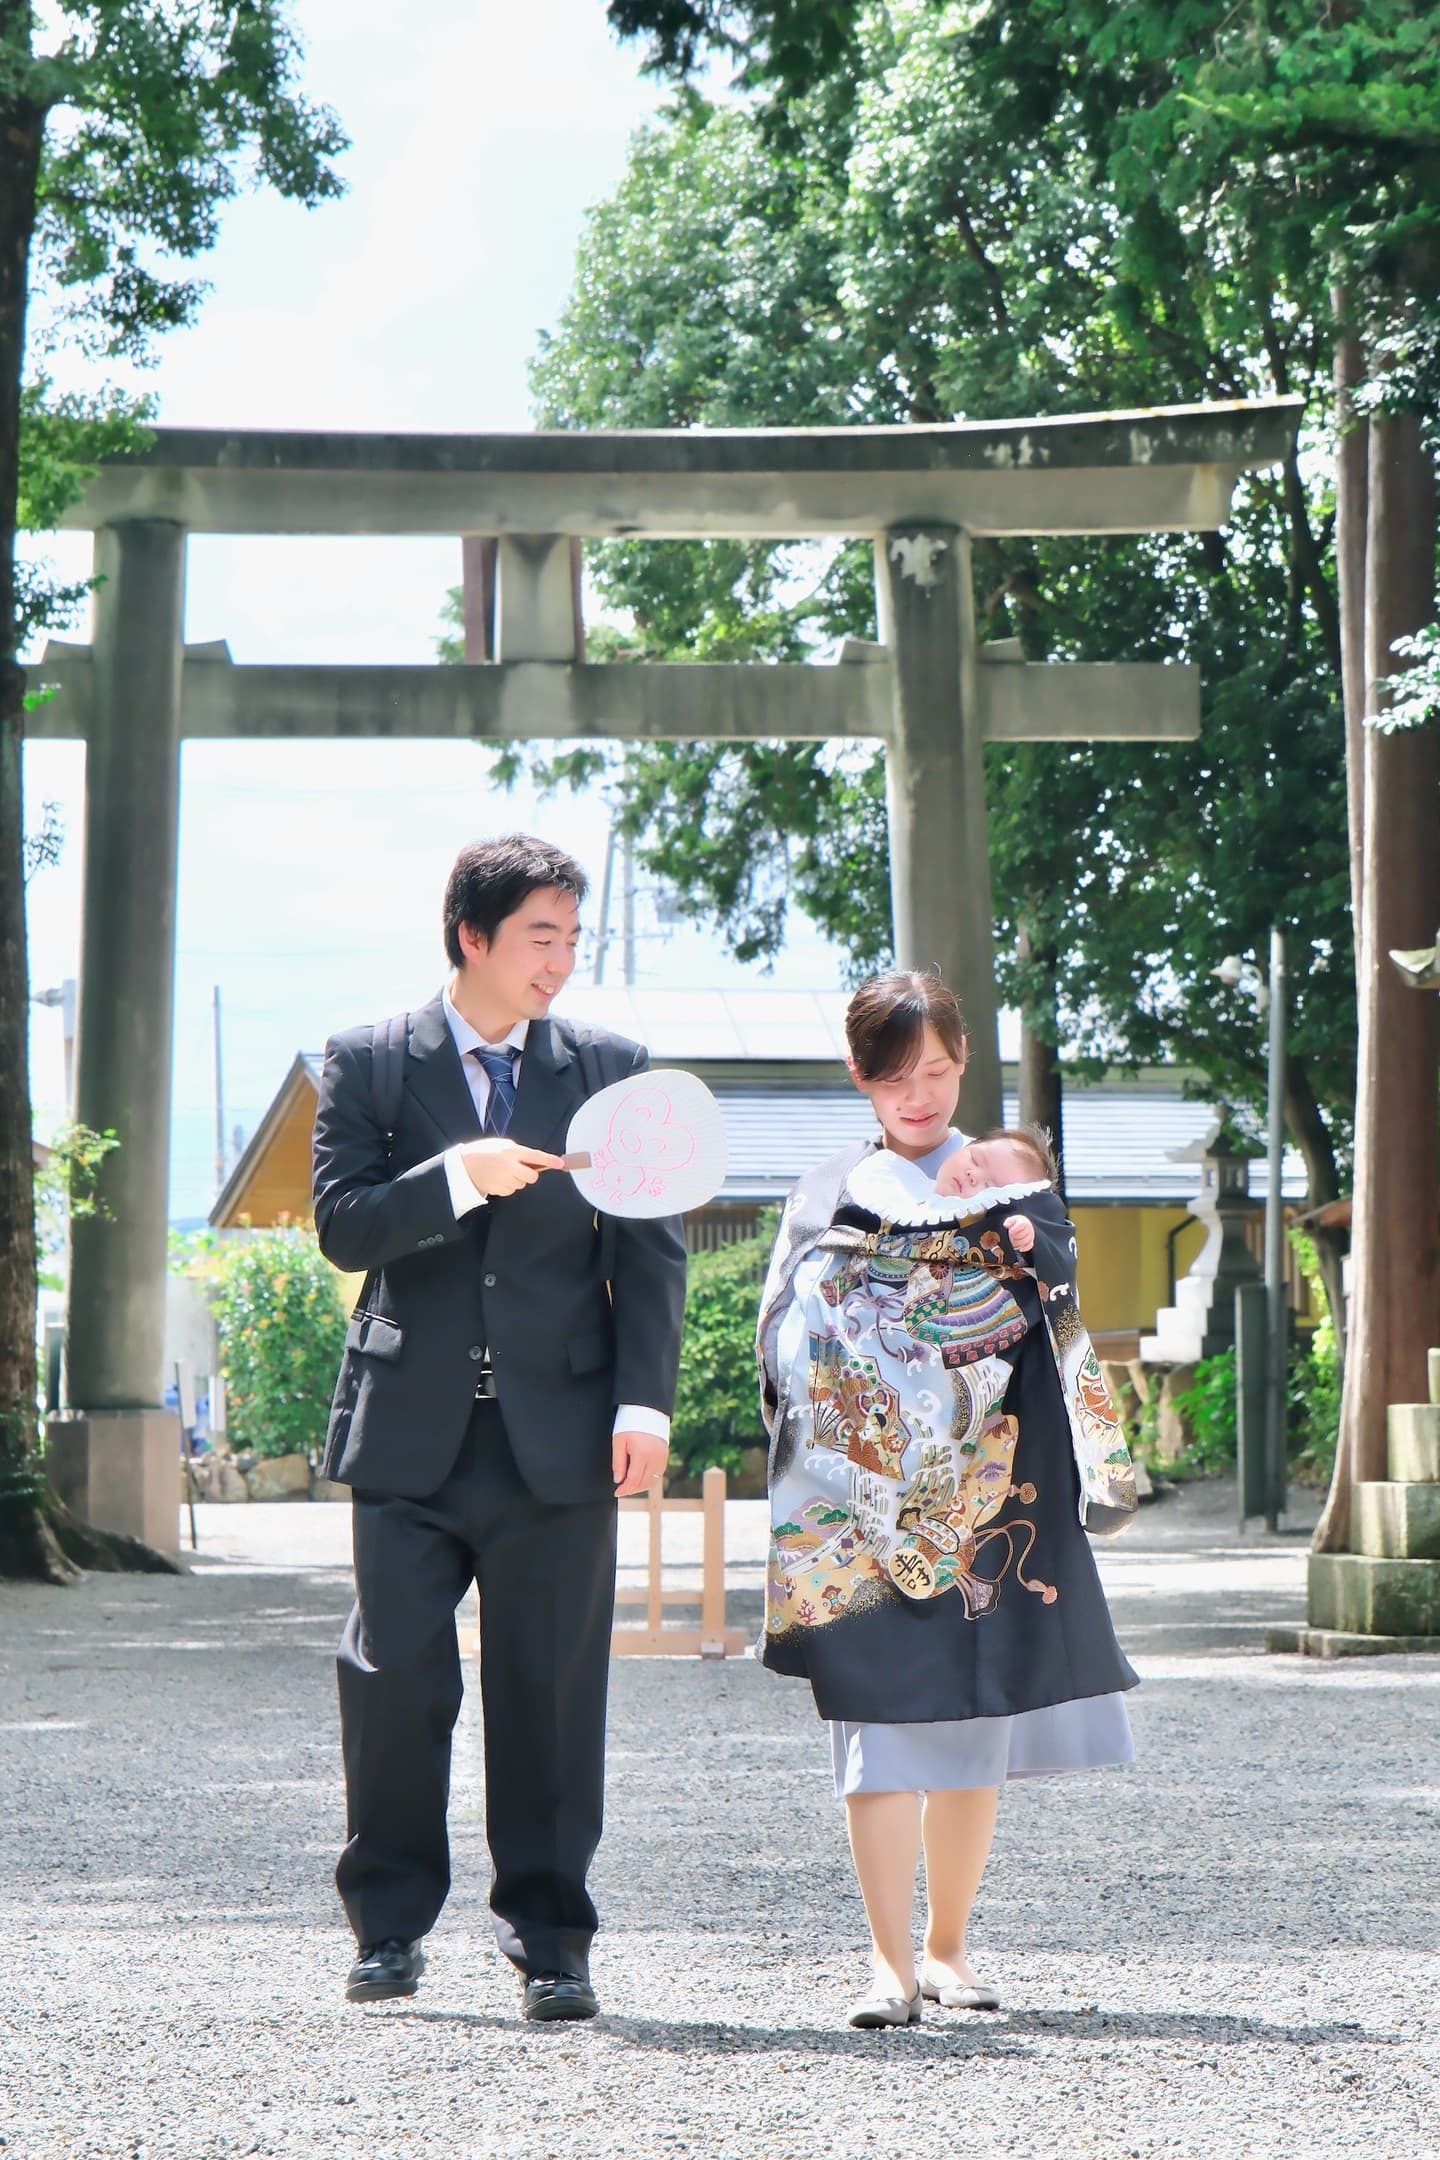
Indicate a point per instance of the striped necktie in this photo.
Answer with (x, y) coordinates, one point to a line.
(500, 1069)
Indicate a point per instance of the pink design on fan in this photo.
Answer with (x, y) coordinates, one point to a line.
(644, 1143)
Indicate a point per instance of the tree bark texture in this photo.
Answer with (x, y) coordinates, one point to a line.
(1395, 1300)
(1041, 1082)
(1352, 485)
(22, 1532)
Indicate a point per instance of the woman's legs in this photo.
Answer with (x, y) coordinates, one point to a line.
(958, 1828)
(885, 1843)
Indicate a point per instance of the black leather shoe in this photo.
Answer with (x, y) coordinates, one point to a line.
(549, 1996)
(383, 1969)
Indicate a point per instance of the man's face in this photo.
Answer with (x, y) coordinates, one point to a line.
(530, 958)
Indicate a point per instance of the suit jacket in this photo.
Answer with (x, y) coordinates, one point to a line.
(521, 1275)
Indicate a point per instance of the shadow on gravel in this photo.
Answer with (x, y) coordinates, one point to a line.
(979, 2035)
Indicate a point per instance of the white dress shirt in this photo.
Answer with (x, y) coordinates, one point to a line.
(629, 1417)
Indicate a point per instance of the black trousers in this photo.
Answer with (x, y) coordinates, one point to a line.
(546, 1576)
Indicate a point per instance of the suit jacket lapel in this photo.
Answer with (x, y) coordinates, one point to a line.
(435, 1076)
(550, 1087)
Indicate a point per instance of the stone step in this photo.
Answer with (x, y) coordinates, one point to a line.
(1394, 1521)
(1412, 1435)
(1359, 1595)
(1330, 1643)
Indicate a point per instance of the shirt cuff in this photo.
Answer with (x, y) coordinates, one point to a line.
(634, 1417)
(463, 1196)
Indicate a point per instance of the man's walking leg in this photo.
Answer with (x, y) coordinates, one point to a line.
(400, 1693)
(547, 1601)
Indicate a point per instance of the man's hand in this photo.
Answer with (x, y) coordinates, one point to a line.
(496, 1167)
(638, 1460)
(1021, 1232)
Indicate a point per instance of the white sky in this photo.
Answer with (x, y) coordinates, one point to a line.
(310, 874)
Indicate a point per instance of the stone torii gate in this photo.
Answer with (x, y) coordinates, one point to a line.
(928, 690)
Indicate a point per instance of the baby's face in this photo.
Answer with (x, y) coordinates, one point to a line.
(983, 1164)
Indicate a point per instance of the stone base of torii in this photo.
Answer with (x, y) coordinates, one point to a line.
(928, 690)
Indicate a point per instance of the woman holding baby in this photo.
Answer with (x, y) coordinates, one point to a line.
(940, 1437)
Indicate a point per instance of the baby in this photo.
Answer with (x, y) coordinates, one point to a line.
(995, 1160)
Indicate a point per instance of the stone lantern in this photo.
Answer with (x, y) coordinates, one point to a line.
(1201, 1322)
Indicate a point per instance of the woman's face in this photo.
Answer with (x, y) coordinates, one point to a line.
(915, 1107)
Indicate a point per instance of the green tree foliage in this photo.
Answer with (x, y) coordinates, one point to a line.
(282, 1327)
(64, 1189)
(125, 128)
(966, 226)
(717, 1403)
(785, 43)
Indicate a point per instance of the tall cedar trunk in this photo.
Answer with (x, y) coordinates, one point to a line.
(1041, 1084)
(1395, 1305)
(1352, 482)
(26, 1546)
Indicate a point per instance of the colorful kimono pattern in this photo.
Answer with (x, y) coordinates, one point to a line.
(900, 1361)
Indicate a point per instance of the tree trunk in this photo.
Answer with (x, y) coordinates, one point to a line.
(27, 1546)
(1395, 1301)
(1041, 1083)
(1352, 460)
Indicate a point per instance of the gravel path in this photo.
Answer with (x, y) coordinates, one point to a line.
(1229, 1951)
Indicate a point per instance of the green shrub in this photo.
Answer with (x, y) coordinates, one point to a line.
(282, 1327)
(1313, 1407)
(1208, 1411)
(717, 1403)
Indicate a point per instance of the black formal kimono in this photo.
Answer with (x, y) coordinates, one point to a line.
(940, 1434)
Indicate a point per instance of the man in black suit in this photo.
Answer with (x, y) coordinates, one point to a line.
(508, 1373)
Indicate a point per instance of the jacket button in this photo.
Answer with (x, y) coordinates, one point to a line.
(489, 1282)
(477, 1351)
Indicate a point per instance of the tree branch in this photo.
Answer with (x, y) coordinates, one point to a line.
(982, 262)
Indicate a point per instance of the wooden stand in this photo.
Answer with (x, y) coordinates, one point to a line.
(712, 1639)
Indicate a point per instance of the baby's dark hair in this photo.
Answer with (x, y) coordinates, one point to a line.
(1035, 1141)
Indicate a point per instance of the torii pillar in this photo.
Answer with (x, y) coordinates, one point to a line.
(117, 1464)
(935, 786)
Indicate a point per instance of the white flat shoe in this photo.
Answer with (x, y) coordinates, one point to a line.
(959, 1994)
(874, 2011)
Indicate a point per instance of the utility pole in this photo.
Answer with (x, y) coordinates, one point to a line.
(627, 911)
(63, 996)
(219, 1096)
(602, 934)
(1261, 1379)
(1277, 1339)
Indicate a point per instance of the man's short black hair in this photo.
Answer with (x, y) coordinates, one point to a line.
(492, 878)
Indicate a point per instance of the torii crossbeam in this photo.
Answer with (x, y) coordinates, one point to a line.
(928, 690)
